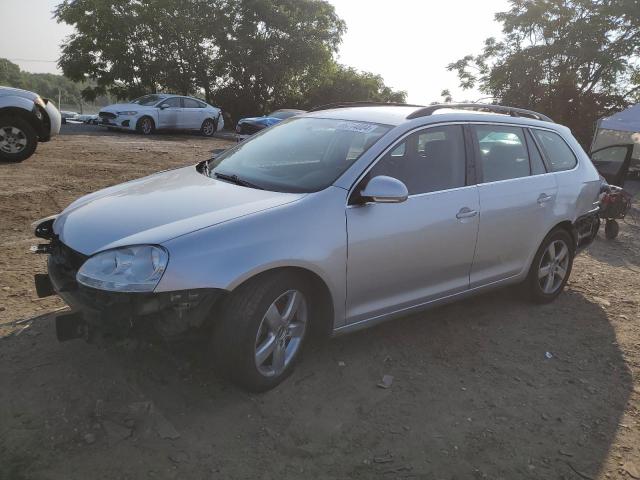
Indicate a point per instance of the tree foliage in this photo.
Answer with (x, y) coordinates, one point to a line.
(248, 56)
(575, 60)
(45, 84)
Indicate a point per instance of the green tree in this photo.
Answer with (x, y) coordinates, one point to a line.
(248, 56)
(575, 60)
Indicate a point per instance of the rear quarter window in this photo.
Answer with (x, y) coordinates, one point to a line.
(558, 154)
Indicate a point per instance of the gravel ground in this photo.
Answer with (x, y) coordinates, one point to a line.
(492, 387)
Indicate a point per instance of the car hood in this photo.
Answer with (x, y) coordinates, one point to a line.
(18, 92)
(157, 208)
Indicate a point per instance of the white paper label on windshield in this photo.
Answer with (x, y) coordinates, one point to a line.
(356, 127)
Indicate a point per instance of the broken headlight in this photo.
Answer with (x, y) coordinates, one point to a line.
(127, 269)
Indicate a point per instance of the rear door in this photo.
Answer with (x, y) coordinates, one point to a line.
(517, 197)
(170, 113)
(613, 162)
(193, 113)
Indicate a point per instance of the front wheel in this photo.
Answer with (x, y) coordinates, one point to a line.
(611, 229)
(145, 126)
(551, 267)
(18, 139)
(262, 329)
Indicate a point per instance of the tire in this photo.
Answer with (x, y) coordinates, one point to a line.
(146, 126)
(540, 288)
(253, 329)
(208, 128)
(18, 139)
(611, 229)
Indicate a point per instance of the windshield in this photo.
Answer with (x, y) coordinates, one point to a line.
(148, 100)
(282, 114)
(300, 154)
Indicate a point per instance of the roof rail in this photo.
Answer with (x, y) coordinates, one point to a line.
(481, 107)
(361, 104)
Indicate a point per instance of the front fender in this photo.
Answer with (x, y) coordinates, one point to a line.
(9, 101)
(309, 233)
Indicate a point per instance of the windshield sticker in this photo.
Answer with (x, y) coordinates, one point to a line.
(356, 127)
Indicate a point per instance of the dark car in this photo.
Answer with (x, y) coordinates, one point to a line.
(251, 125)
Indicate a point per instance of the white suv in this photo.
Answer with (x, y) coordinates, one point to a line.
(25, 119)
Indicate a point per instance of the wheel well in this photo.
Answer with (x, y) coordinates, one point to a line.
(568, 227)
(323, 312)
(26, 115)
(143, 117)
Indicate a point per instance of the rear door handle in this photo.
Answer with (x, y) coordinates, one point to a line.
(466, 212)
(544, 198)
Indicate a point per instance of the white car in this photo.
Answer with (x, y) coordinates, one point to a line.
(25, 119)
(163, 112)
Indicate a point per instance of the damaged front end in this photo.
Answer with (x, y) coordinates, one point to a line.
(97, 313)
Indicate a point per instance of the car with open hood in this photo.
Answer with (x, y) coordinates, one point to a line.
(326, 223)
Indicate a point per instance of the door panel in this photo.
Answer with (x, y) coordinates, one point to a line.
(515, 213)
(170, 117)
(613, 162)
(193, 115)
(409, 253)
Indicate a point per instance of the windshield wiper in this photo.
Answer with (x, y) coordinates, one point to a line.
(237, 180)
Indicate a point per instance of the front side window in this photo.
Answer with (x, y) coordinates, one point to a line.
(300, 154)
(559, 156)
(426, 161)
(503, 152)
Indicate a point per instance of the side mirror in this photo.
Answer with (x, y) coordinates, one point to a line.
(163, 106)
(383, 189)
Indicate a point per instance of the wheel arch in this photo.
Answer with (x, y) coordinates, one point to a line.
(324, 313)
(25, 114)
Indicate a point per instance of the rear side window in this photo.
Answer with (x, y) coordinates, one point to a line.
(558, 154)
(537, 164)
(503, 152)
(191, 103)
(427, 161)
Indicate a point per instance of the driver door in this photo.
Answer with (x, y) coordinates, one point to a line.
(406, 254)
(170, 113)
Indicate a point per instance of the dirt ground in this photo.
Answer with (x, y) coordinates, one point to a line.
(492, 387)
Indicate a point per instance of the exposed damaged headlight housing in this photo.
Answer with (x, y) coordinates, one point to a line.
(128, 269)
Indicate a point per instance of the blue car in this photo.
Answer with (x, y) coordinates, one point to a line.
(249, 126)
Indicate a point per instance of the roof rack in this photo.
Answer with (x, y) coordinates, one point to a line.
(481, 107)
(361, 104)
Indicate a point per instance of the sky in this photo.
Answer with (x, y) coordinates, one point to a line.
(408, 42)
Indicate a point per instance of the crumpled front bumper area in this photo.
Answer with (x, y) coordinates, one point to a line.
(118, 314)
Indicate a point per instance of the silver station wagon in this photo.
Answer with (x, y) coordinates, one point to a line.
(325, 223)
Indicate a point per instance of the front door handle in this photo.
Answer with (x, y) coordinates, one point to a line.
(466, 212)
(544, 198)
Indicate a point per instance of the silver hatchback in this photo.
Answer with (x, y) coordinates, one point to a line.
(327, 222)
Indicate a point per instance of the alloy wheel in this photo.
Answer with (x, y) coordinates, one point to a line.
(208, 128)
(280, 333)
(553, 266)
(12, 140)
(146, 126)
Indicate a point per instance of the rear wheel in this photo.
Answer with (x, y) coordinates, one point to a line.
(145, 126)
(208, 128)
(18, 139)
(551, 267)
(262, 329)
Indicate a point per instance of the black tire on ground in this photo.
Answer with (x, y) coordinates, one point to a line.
(611, 229)
(16, 131)
(208, 128)
(534, 282)
(235, 333)
(145, 126)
